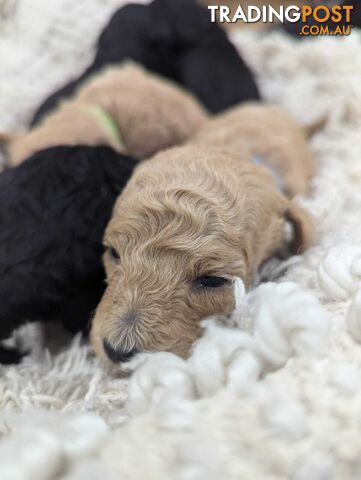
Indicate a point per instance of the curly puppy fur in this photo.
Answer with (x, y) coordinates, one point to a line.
(175, 39)
(150, 114)
(267, 135)
(188, 213)
(53, 212)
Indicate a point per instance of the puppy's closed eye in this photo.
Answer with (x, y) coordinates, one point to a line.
(113, 254)
(209, 281)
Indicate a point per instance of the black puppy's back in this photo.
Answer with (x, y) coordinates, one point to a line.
(53, 212)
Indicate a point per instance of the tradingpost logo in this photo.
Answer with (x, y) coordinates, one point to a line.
(314, 20)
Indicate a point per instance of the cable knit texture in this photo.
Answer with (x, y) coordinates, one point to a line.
(272, 393)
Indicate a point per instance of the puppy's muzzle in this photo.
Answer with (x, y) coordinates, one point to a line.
(118, 355)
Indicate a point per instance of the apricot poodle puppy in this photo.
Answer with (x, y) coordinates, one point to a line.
(267, 135)
(127, 108)
(189, 221)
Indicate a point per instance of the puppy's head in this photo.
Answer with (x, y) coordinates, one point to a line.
(177, 238)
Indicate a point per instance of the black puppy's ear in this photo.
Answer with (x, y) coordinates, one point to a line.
(299, 231)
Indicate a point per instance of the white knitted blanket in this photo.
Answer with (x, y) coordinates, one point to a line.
(273, 395)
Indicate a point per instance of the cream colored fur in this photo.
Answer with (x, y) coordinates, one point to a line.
(150, 113)
(186, 213)
(267, 134)
(212, 417)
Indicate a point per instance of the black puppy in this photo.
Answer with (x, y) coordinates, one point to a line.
(53, 212)
(200, 55)
(175, 39)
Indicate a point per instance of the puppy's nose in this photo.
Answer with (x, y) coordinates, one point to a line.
(117, 355)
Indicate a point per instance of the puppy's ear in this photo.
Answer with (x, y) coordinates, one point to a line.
(316, 126)
(299, 229)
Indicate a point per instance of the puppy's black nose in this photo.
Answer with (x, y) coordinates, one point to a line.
(117, 355)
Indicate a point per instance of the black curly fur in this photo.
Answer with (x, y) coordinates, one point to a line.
(53, 212)
(176, 39)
